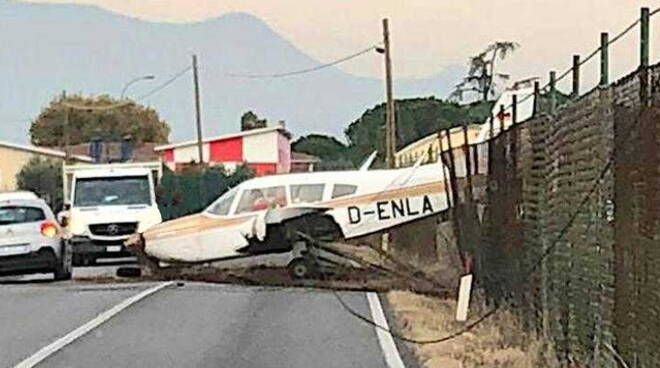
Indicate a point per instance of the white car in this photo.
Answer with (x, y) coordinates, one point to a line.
(31, 238)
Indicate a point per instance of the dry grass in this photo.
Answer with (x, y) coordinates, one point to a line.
(497, 342)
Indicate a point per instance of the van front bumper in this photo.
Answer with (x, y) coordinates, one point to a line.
(86, 247)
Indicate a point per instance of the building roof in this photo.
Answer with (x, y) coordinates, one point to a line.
(279, 127)
(455, 133)
(43, 151)
(299, 157)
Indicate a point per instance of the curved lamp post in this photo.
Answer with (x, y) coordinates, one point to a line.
(144, 77)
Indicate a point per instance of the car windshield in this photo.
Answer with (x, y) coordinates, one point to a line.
(223, 204)
(125, 190)
(10, 215)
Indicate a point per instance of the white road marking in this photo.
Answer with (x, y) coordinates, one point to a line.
(63, 341)
(385, 339)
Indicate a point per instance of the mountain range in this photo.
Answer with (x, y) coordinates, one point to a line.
(49, 48)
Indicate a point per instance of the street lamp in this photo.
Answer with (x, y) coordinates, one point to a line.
(144, 77)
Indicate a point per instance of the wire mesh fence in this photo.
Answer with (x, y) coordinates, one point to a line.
(563, 221)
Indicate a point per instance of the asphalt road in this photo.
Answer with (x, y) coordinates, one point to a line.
(106, 268)
(194, 325)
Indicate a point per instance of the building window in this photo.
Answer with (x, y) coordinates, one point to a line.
(341, 190)
(307, 193)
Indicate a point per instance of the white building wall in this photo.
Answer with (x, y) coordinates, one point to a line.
(187, 154)
(260, 147)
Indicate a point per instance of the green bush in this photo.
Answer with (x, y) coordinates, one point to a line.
(193, 189)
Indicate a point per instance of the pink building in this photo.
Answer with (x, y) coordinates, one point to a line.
(265, 150)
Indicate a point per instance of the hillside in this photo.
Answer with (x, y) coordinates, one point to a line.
(48, 48)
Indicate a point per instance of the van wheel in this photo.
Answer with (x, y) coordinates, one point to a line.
(300, 268)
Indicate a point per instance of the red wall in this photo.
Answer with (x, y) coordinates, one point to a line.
(168, 155)
(261, 169)
(227, 150)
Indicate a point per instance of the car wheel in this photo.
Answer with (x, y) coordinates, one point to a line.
(64, 267)
(300, 268)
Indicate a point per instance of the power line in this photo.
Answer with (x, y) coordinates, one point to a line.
(165, 84)
(590, 56)
(128, 102)
(302, 71)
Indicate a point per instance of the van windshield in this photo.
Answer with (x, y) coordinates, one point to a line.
(112, 191)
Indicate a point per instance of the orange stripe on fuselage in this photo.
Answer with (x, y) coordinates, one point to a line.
(191, 224)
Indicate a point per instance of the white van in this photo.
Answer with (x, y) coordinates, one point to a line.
(107, 203)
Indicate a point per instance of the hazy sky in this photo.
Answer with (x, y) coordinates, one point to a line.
(428, 34)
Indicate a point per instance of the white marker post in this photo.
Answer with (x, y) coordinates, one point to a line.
(464, 291)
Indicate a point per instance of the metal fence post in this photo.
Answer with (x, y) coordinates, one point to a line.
(445, 170)
(514, 109)
(468, 164)
(604, 59)
(537, 94)
(576, 77)
(644, 38)
(553, 97)
(500, 117)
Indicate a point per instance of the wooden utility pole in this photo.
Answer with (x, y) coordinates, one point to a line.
(200, 143)
(390, 117)
(65, 128)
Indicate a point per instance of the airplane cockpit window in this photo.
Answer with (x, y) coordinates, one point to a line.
(261, 199)
(307, 193)
(222, 206)
(341, 190)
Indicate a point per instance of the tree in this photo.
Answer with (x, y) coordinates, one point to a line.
(332, 153)
(126, 118)
(482, 71)
(250, 120)
(416, 118)
(322, 146)
(43, 177)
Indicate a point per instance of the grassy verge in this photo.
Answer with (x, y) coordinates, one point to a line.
(497, 342)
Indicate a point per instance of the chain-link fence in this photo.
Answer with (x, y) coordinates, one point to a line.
(565, 226)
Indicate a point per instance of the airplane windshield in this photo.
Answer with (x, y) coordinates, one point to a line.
(261, 199)
(222, 206)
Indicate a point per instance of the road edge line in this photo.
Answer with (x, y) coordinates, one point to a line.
(65, 340)
(385, 339)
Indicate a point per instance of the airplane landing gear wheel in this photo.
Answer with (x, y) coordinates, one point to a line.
(300, 268)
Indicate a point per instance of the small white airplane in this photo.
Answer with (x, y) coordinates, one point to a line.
(265, 216)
